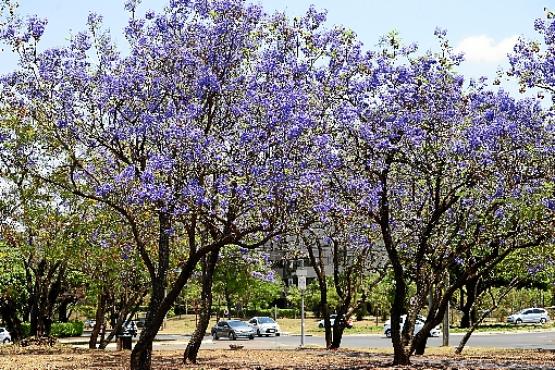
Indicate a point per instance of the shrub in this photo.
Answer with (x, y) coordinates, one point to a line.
(67, 329)
(26, 329)
(58, 329)
(287, 313)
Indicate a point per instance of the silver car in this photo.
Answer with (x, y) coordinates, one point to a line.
(435, 332)
(529, 315)
(232, 329)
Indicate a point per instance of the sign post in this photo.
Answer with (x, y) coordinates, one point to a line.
(446, 320)
(301, 283)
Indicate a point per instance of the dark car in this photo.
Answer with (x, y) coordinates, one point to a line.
(129, 328)
(333, 316)
(232, 329)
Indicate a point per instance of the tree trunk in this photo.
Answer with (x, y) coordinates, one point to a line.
(326, 314)
(338, 328)
(209, 264)
(318, 266)
(53, 288)
(99, 319)
(160, 303)
(63, 314)
(420, 342)
(467, 318)
(228, 302)
(477, 322)
(43, 294)
(126, 308)
(465, 338)
(400, 355)
(141, 356)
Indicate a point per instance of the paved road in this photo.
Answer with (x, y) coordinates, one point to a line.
(545, 340)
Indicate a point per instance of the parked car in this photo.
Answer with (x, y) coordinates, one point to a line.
(141, 322)
(5, 336)
(435, 332)
(232, 329)
(130, 328)
(265, 326)
(89, 323)
(529, 315)
(348, 323)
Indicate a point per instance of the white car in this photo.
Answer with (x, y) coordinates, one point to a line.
(89, 324)
(265, 326)
(529, 315)
(5, 336)
(435, 332)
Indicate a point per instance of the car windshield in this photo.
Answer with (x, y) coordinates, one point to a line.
(237, 324)
(265, 320)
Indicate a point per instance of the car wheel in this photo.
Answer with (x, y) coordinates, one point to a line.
(215, 336)
(6, 341)
(388, 333)
(278, 334)
(321, 326)
(251, 337)
(232, 336)
(542, 320)
(258, 333)
(518, 321)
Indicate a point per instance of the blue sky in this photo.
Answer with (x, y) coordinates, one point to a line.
(483, 29)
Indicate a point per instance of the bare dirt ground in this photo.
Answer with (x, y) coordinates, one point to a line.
(58, 357)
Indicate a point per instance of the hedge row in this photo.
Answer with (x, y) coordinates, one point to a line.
(282, 313)
(59, 329)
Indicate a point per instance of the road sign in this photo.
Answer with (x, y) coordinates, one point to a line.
(302, 282)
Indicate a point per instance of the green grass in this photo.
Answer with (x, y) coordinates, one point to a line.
(504, 327)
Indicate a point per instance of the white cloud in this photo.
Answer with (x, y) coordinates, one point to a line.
(483, 48)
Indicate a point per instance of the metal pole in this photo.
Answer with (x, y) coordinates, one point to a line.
(302, 318)
(446, 319)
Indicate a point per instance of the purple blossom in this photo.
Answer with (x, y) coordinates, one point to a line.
(36, 26)
(94, 19)
(440, 31)
(104, 190)
(549, 204)
(81, 41)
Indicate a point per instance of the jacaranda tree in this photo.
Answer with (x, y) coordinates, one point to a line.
(220, 120)
(450, 176)
(199, 128)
